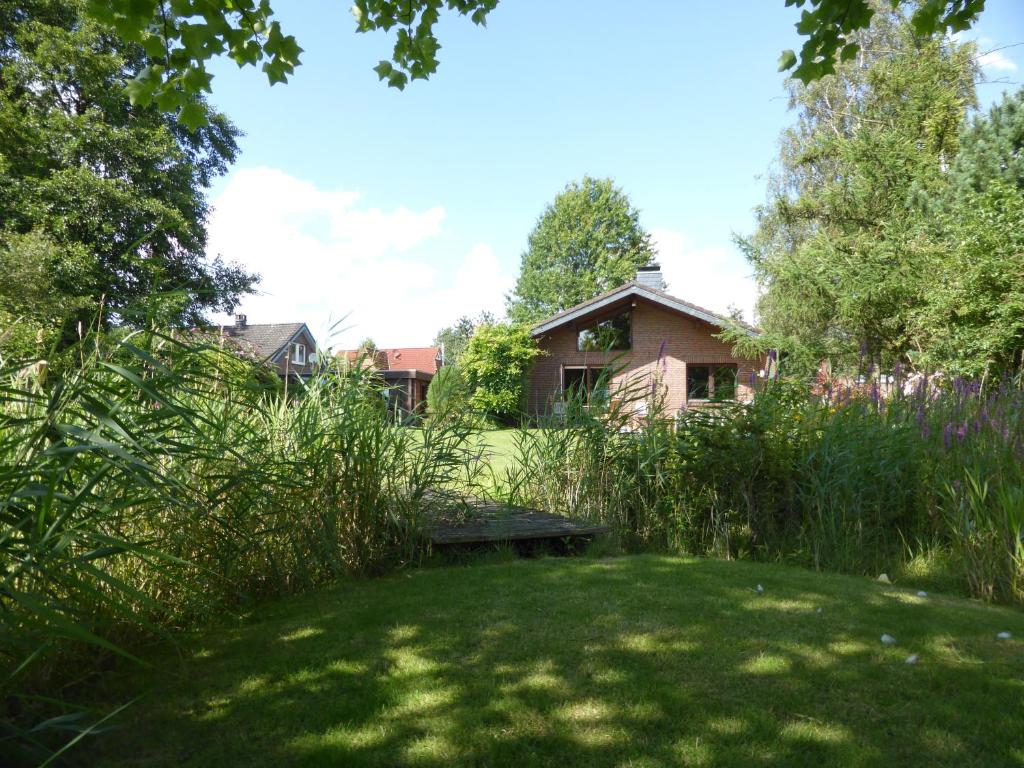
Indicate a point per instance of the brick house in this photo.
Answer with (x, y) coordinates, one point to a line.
(641, 333)
(407, 371)
(287, 347)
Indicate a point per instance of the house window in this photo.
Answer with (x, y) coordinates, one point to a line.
(710, 382)
(589, 383)
(698, 382)
(723, 379)
(610, 334)
(299, 354)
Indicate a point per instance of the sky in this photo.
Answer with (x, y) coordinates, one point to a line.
(374, 213)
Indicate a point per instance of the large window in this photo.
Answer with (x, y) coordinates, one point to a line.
(299, 354)
(710, 382)
(610, 334)
(589, 383)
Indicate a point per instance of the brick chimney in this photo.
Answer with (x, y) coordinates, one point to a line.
(649, 276)
(240, 321)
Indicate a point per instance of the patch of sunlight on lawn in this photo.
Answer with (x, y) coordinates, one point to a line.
(301, 634)
(366, 737)
(766, 664)
(727, 726)
(815, 730)
(848, 647)
(693, 752)
(764, 603)
(423, 701)
(431, 750)
(410, 661)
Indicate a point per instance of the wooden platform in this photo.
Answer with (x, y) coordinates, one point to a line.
(482, 522)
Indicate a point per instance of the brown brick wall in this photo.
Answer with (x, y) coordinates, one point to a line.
(685, 340)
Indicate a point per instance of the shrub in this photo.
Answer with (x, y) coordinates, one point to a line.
(447, 395)
(495, 363)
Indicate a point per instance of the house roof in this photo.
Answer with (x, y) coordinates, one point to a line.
(637, 290)
(398, 358)
(414, 358)
(267, 340)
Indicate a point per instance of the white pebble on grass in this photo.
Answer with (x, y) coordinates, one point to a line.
(888, 640)
(817, 610)
(922, 593)
(759, 589)
(884, 578)
(912, 659)
(1004, 635)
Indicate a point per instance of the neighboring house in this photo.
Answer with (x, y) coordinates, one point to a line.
(645, 334)
(289, 347)
(406, 370)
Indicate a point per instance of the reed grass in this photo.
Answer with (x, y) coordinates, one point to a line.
(847, 482)
(162, 481)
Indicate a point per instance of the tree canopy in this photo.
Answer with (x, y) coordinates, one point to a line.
(113, 195)
(892, 231)
(455, 338)
(181, 36)
(837, 246)
(587, 241)
(832, 26)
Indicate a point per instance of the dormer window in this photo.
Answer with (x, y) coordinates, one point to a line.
(614, 333)
(298, 354)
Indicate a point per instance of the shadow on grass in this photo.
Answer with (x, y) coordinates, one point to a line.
(640, 661)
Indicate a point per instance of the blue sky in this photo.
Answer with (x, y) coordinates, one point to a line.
(400, 211)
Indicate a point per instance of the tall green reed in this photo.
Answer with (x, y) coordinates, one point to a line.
(161, 480)
(843, 480)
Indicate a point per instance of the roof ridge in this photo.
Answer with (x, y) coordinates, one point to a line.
(634, 285)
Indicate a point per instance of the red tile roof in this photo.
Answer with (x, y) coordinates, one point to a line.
(414, 358)
(399, 358)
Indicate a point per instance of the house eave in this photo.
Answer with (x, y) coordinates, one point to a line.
(284, 347)
(631, 290)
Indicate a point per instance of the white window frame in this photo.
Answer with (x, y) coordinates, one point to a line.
(298, 354)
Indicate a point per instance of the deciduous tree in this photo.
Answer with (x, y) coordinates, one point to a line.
(835, 248)
(455, 338)
(587, 241)
(121, 186)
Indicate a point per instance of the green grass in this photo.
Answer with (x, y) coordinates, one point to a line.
(498, 451)
(638, 661)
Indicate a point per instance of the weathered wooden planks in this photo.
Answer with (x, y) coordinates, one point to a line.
(487, 522)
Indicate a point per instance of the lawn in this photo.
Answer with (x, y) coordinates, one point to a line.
(497, 448)
(632, 661)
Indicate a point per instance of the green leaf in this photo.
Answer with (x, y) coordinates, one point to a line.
(787, 60)
(192, 116)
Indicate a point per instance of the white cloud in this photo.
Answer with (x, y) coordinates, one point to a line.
(323, 259)
(998, 61)
(715, 278)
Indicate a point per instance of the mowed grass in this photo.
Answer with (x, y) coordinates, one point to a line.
(497, 450)
(633, 661)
